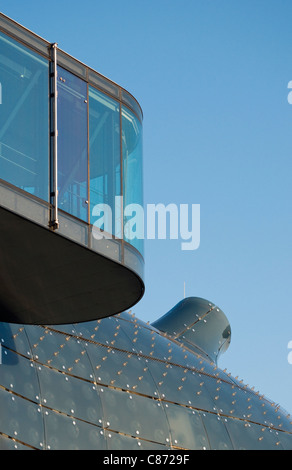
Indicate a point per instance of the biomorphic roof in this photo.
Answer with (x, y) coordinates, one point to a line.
(121, 383)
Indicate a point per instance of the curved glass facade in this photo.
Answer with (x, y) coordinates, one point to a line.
(121, 384)
(98, 168)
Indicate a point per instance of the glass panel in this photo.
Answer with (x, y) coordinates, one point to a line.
(235, 401)
(19, 375)
(72, 145)
(7, 443)
(105, 164)
(21, 419)
(14, 337)
(24, 118)
(117, 441)
(151, 343)
(135, 415)
(216, 432)
(69, 395)
(60, 351)
(133, 179)
(284, 441)
(186, 427)
(271, 414)
(110, 351)
(106, 331)
(66, 433)
(141, 340)
(251, 436)
(182, 386)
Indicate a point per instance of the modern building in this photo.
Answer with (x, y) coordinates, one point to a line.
(71, 141)
(78, 370)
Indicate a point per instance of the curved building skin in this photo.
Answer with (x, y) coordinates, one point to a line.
(119, 383)
(77, 369)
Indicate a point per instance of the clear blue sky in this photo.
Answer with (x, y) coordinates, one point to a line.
(211, 77)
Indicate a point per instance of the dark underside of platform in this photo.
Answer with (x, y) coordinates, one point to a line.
(46, 278)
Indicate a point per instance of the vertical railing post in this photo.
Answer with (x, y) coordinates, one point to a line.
(53, 223)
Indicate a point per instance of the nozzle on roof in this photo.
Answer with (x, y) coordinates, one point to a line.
(199, 324)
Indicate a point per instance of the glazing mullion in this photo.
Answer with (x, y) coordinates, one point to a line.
(88, 162)
(54, 224)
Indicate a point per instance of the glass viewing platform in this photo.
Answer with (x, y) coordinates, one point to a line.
(70, 162)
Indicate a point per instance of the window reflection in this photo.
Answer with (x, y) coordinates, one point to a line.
(132, 178)
(104, 151)
(72, 145)
(24, 118)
